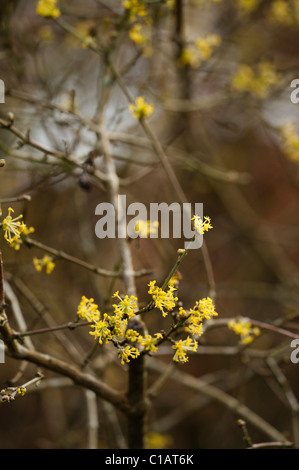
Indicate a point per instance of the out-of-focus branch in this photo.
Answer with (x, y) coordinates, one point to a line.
(222, 397)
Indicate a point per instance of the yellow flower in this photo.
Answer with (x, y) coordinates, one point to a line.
(88, 310)
(259, 82)
(200, 50)
(22, 391)
(134, 8)
(181, 347)
(141, 109)
(163, 300)
(132, 335)
(204, 309)
(148, 342)
(145, 228)
(48, 8)
(200, 225)
(206, 45)
(14, 230)
(126, 307)
(244, 329)
(46, 261)
(137, 35)
(101, 331)
(126, 352)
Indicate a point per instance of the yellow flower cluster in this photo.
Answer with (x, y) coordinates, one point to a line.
(200, 225)
(48, 8)
(200, 50)
(258, 82)
(203, 310)
(110, 327)
(46, 261)
(244, 329)
(141, 109)
(145, 228)
(290, 141)
(134, 8)
(88, 310)
(15, 230)
(182, 346)
(114, 327)
(165, 301)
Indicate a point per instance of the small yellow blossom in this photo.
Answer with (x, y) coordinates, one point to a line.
(244, 329)
(163, 300)
(181, 347)
(203, 310)
(14, 230)
(206, 45)
(48, 8)
(201, 226)
(88, 310)
(132, 335)
(126, 352)
(145, 228)
(46, 261)
(258, 82)
(141, 109)
(137, 35)
(101, 331)
(22, 391)
(200, 50)
(148, 342)
(134, 8)
(126, 306)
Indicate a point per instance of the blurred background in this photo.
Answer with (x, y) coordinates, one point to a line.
(219, 75)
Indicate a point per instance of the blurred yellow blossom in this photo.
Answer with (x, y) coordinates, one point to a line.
(244, 329)
(200, 50)
(145, 228)
(141, 109)
(46, 261)
(48, 8)
(134, 8)
(258, 82)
